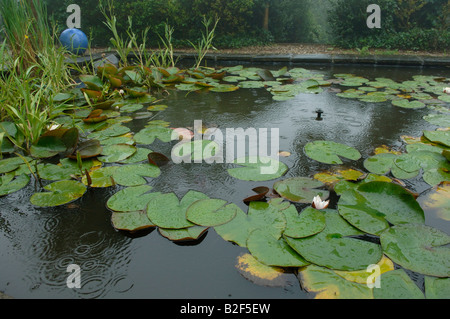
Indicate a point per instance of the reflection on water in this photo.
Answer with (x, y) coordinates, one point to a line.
(37, 245)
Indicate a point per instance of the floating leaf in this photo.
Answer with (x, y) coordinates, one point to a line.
(273, 251)
(149, 134)
(438, 119)
(326, 284)
(185, 234)
(363, 276)
(133, 174)
(263, 215)
(419, 248)
(408, 104)
(116, 153)
(441, 137)
(64, 170)
(384, 163)
(257, 169)
(337, 175)
(131, 221)
(87, 149)
(309, 222)
(437, 288)
(101, 177)
(211, 212)
(300, 189)
(261, 194)
(329, 152)
(396, 284)
(373, 206)
(12, 163)
(258, 273)
(334, 249)
(92, 82)
(10, 183)
(59, 193)
(47, 146)
(131, 199)
(167, 212)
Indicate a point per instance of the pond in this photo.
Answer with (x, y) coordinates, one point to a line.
(38, 244)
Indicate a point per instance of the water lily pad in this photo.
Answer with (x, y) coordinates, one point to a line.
(64, 170)
(329, 152)
(140, 156)
(131, 199)
(258, 273)
(11, 183)
(149, 134)
(384, 163)
(396, 284)
(437, 288)
(116, 153)
(273, 251)
(134, 174)
(92, 82)
(167, 212)
(185, 234)
(211, 212)
(87, 149)
(334, 248)
(258, 169)
(364, 276)
(419, 248)
(335, 175)
(130, 108)
(373, 206)
(263, 215)
(404, 103)
(131, 221)
(10, 164)
(326, 284)
(300, 189)
(59, 193)
(438, 119)
(47, 146)
(110, 131)
(101, 177)
(309, 222)
(441, 137)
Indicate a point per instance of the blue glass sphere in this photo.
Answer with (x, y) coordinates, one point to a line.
(74, 40)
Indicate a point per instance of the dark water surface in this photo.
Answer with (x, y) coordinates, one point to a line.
(37, 245)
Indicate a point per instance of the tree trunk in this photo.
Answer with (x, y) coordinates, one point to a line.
(266, 18)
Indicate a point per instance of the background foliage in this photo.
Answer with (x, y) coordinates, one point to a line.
(406, 24)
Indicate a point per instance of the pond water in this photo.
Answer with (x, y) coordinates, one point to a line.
(37, 245)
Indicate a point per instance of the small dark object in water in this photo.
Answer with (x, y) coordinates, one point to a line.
(319, 115)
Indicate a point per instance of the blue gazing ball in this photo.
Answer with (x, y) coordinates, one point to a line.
(74, 40)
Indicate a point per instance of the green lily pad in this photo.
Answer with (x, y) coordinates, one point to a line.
(140, 156)
(300, 189)
(441, 137)
(10, 183)
(101, 177)
(419, 248)
(130, 108)
(10, 164)
(408, 104)
(329, 152)
(268, 216)
(134, 174)
(224, 88)
(47, 146)
(437, 288)
(185, 234)
(131, 199)
(116, 153)
(59, 193)
(335, 175)
(309, 222)
(396, 284)
(273, 251)
(438, 119)
(445, 98)
(131, 221)
(92, 82)
(64, 170)
(211, 212)
(384, 163)
(167, 212)
(110, 131)
(334, 249)
(258, 169)
(373, 206)
(149, 134)
(327, 284)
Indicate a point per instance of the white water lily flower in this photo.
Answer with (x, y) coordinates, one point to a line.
(447, 90)
(53, 127)
(318, 203)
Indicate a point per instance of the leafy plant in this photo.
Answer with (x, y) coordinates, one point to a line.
(205, 43)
